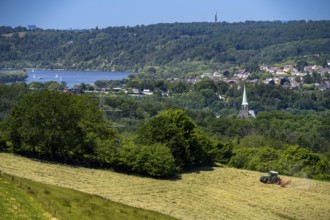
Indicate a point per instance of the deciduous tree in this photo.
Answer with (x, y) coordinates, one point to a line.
(57, 126)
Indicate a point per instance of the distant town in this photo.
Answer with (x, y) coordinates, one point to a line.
(287, 75)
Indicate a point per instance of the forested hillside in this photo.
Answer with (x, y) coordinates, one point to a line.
(133, 48)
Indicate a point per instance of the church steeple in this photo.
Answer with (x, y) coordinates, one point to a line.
(245, 106)
(244, 101)
(244, 112)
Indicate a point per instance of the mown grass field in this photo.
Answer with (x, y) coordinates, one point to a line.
(221, 193)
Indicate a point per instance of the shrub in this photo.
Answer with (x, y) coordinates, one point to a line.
(154, 160)
(157, 161)
(176, 130)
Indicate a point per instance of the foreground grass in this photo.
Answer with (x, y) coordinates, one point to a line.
(25, 199)
(16, 204)
(223, 193)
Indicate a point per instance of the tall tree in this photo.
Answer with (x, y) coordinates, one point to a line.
(57, 126)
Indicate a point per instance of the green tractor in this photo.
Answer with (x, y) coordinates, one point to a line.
(271, 178)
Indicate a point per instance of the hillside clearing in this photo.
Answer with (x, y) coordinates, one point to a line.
(222, 193)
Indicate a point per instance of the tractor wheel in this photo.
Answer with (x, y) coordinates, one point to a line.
(277, 181)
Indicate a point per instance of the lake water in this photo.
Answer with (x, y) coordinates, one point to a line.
(72, 77)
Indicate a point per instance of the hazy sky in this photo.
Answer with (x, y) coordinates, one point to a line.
(79, 14)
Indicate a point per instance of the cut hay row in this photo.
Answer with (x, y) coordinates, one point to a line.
(223, 193)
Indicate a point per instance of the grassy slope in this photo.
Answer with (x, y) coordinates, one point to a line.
(16, 204)
(223, 193)
(35, 198)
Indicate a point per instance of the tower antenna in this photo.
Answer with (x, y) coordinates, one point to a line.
(216, 17)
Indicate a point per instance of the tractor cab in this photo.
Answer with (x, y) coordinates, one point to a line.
(273, 173)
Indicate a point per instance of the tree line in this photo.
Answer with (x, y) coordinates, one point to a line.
(71, 129)
(14, 76)
(154, 136)
(134, 48)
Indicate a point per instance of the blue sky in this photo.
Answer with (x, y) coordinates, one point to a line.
(80, 14)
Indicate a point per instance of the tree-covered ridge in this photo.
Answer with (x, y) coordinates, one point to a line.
(133, 48)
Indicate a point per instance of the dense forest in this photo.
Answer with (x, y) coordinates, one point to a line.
(134, 48)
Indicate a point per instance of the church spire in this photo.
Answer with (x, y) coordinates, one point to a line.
(245, 112)
(244, 101)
